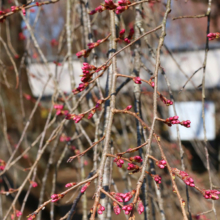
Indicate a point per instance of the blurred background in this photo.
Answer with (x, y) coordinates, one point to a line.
(33, 59)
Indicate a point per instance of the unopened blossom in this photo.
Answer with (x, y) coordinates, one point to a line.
(34, 184)
(21, 36)
(161, 164)
(23, 11)
(130, 35)
(63, 138)
(128, 107)
(100, 8)
(91, 113)
(53, 42)
(2, 164)
(56, 197)
(14, 8)
(211, 194)
(116, 208)
(137, 80)
(136, 159)
(83, 189)
(119, 162)
(127, 196)
(131, 166)
(70, 184)
(32, 216)
(84, 53)
(121, 34)
(117, 196)
(120, 9)
(127, 208)
(213, 36)
(186, 123)
(157, 179)
(17, 213)
(184, 176)
(78, 118)
(100, 209)
(124, 2)
(140, 205)
(57, 106)
(110, 5)
(80, 88)
(87, 66)
(165, 100)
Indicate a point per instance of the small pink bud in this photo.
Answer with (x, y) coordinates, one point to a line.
(128, 107)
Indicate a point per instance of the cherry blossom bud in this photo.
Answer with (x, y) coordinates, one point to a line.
(83, 189)
(140, 206)
(116, 208)
(128, 107)
(137, 80)
(157, 179)
(161, 164)
(34, 184)
(57, 106)
(70, 184)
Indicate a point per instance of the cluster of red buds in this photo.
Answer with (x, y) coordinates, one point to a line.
(140, 206)
(119, 162)
(184, 176)
(56, 197)
(136, 159)
(78, 118)
(116, 208)
(137, 80)
(31, 216)
(59, 110)
(117, 196)
(100, 209)
(53, 42)
(157, 178)
(211, 194)
(119, 7)
(2, 164)
(17, 8)
(70, 184)
(213, 36)
(161, 164)
(63, 138)
(21, 36)
(86, 52)
(133, 167)
(125, 39)
(80, 88)
(88, 71)
(34, 184)
(186, 123)
(127, 196)
(174, 120)
(83, 189)
(17, 213)
(165, 100)
(128, 208)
